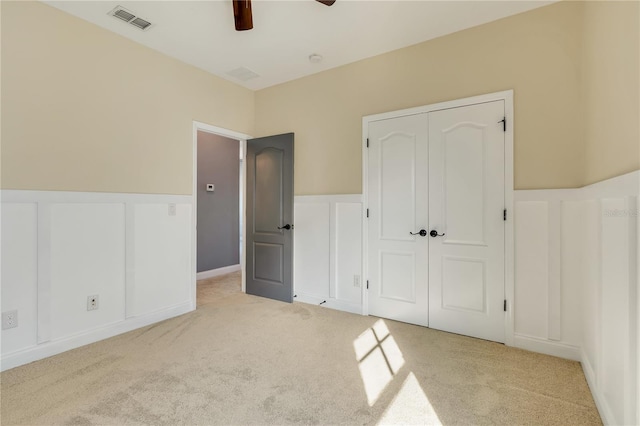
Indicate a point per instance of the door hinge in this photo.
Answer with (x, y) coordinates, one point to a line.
(504, 214)
(504, 124)
(367, 212)
(367, 284)
(367, 142)
(505, 305)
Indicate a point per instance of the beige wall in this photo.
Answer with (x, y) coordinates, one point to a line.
(538, 54)
(611, 88)
(84, 109)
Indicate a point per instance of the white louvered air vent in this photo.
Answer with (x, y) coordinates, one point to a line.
(130, 18)
(242, 74)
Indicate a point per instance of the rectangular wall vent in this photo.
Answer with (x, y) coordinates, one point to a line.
(130, 18)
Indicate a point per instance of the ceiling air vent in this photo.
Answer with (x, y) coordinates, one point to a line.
(123, 14)
(140, 23)
(130, 18)
(242, 74)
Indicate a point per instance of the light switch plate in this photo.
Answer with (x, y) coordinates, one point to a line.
(210, 187)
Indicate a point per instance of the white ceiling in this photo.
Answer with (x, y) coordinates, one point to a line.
(285, 33)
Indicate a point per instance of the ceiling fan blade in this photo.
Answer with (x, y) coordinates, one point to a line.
(242, 15)
(326, 2)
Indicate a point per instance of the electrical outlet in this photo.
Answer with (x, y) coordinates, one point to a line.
(172, 209)
(9, 319)
(92, 302)
(356, 280)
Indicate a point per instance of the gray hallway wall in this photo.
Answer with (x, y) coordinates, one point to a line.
(218, 211)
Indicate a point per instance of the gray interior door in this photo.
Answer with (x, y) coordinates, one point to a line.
(269, 240)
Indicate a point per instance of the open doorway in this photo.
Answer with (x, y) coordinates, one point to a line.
(218, 205)
(218, 200)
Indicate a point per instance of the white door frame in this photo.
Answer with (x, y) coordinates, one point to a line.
(242, 138)
(507, 97)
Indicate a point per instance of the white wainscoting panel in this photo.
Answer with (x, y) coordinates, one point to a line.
(615, 315)
(571, 272)
(311, 269)
(531, 269)
(547, 304)
(576, 285)
(348, 252)
(328, 251)
(58, 248)
(162, 255)
(20, 273)
(591, 333)
(87, 258)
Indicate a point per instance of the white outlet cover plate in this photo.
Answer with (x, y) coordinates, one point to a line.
(90, 305)
(9, 319)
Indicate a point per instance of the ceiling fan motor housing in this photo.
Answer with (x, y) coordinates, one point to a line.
(242, 15)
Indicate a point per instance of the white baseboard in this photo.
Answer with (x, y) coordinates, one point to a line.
(603, 407)
(329, 302)
(217, 272)
(548, 347)
(48, 349)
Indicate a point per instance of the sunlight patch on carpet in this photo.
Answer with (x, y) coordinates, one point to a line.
(379, 359)
(410, 406)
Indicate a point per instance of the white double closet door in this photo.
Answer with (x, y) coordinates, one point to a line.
(440, 172)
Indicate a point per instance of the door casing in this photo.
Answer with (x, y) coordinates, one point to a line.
(507, 97)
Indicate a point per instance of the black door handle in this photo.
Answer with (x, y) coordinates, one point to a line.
(422, 233)
(434, 233)
(287, 226)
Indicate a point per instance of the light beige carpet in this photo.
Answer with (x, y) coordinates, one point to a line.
(241, 359)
